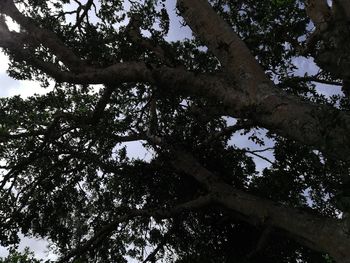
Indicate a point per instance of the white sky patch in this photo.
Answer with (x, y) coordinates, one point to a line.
(26, 88)
(328, 90)
(135, 150)
(13, 25)
(10, 87)
(176, 30)
(3, 62)
(37, 245)
(305, 65)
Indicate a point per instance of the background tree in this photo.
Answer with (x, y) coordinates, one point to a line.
(67, 176)
(16, 257)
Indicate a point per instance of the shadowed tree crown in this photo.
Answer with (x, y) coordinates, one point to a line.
(117, 77)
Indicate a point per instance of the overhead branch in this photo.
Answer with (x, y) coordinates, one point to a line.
(225, 44)
(258, 155)
(102, 103)
(81, 17)
(134, 31)
(263, 240)
(320, 233)
(43, 36)
(273, 109)
(312, 79)
(319, 12)
(246, 93)
(341, 9)
(153, 119)
(152, 256)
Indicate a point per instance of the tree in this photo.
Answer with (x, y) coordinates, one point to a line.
(25, 257)
(67, 176)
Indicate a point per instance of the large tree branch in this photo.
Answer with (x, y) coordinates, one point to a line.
(224, 43)
(321, 127)
(43, 36)
(319, 12)
(341, 9)
(245, 93)
(323, 234)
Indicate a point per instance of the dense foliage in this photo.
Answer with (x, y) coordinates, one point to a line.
(16, 257)
(68, 177)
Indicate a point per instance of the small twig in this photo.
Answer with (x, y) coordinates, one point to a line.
(258, 155)
(313, 79)
(228, 131)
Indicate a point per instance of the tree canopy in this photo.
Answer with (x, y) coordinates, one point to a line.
(118, 77)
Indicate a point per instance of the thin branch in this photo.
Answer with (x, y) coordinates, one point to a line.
(153, 118)
(313, 79)
(80, 19)
(258, 155)
(263, 150)
(228, 131)
(152, 256)
(102, 103)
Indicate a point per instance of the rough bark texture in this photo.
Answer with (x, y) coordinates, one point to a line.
(318, 126)
(318, 233)
(245, 91)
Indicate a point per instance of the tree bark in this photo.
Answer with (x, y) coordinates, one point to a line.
(322, 127)
(244, 90)
(318, 233)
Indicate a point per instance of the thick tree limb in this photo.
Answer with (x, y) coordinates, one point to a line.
(310, 124)
(341, 10)
(323, 234)
(43, 36)
(245, 93)
(319, 12)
